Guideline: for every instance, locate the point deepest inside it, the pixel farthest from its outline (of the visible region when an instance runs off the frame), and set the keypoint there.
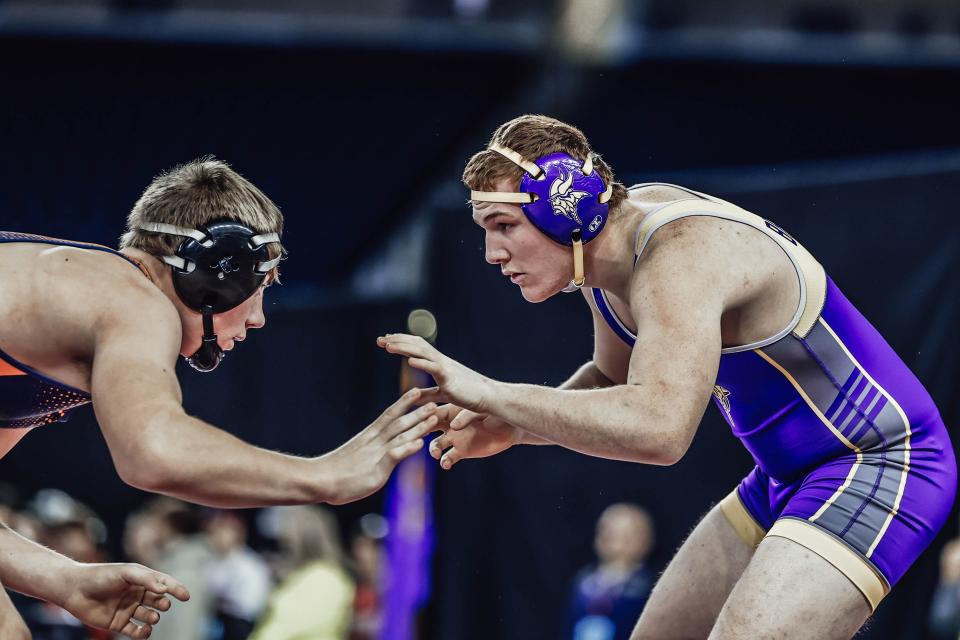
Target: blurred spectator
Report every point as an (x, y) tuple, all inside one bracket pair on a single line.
[(239, 579), (314, 599), (166, 536), (67, 526), (367, 552), (609, 596), (945, 610)]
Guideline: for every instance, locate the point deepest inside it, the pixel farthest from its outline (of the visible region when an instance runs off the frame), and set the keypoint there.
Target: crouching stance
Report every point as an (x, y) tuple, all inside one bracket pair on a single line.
[(694, 298)]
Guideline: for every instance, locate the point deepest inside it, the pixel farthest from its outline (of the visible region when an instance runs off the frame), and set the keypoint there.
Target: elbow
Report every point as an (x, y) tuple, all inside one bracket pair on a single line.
[(669, 456), (146, 465), (669, 451)]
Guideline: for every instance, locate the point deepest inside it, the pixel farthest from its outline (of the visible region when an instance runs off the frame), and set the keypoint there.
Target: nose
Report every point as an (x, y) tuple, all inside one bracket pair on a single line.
[(256, 319), (495, 254)]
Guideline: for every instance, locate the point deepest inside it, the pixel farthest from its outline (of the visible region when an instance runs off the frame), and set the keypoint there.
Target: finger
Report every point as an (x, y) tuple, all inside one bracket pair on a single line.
[(408, 421), (419, 430), (156, 601), (423, 364), (439, 444), (155, 581), (137, 630), (419, 347), (434, 394), (143, 614), (173, 587), (416, 432), (450, 458), (465, 418), (398, 454), (447, 412), (403, 405)]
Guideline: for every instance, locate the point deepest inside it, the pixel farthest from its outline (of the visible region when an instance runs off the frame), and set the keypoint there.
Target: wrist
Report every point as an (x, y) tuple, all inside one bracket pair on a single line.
[(326, 479), (66, 580), (495, 392)]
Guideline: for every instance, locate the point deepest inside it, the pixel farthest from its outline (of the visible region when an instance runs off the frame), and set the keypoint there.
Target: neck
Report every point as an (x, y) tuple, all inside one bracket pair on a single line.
[(157, 271), (608, 260)]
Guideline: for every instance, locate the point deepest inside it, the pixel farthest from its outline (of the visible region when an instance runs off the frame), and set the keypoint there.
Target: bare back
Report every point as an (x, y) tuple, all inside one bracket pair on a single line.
[(52, 298)]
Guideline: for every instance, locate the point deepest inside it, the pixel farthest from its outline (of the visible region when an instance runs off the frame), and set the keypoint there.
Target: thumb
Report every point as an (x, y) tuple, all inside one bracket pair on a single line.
[(464, 419)]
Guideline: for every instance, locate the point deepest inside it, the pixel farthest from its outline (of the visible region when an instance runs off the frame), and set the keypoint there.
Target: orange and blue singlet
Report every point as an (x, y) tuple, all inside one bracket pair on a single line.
[(28, 398), (853, 460)]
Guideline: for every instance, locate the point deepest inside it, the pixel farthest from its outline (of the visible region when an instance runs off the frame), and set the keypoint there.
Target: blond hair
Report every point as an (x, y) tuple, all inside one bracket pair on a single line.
[(193, 195), (534, 136)]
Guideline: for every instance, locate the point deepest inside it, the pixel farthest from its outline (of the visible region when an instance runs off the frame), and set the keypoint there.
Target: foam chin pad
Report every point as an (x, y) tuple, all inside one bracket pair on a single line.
[(207, 357)]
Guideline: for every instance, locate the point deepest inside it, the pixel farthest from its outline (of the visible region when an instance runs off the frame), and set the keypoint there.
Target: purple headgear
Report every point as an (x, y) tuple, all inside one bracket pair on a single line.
[(562, 196)]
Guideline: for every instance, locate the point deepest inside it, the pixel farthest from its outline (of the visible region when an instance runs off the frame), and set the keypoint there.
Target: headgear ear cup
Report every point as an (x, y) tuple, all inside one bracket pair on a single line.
[(562, 196), (214, 270)]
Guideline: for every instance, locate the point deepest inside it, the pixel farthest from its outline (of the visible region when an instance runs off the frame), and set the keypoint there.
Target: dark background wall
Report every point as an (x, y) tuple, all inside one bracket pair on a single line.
[(351, 142)]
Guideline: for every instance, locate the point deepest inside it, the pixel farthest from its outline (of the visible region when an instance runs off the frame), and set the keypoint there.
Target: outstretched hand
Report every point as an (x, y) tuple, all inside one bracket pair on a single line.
[(362, 465), (455, 382), (126, 598), (470, 435)]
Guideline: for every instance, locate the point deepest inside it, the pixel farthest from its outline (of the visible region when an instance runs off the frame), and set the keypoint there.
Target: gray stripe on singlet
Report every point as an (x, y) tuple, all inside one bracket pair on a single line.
[(875, 512), (843, 403), (869, 512), (790, 354), (854, 414)]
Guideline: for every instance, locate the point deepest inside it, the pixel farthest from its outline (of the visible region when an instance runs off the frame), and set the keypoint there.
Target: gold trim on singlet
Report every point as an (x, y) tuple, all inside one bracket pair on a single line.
[(746, 528), (811, 275), (857, 569)]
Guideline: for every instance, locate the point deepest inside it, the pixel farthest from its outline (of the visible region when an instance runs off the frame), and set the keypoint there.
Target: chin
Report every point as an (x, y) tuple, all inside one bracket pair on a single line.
[(537, 294)]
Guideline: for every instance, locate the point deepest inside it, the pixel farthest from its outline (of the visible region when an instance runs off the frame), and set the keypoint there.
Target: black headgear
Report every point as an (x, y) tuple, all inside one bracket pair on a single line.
[(215, 269)]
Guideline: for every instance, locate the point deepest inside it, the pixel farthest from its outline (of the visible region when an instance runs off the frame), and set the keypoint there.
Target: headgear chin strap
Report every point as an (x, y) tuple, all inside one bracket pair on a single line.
[(209, 355), (214, 270), (562, 196)]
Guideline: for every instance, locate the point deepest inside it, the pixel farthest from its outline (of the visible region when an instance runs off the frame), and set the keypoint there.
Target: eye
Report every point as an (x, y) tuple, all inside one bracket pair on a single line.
[(503, 226)]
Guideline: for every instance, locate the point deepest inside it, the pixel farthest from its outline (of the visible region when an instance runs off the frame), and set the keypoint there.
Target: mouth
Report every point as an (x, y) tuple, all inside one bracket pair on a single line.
[(232, 343), (516, 278)]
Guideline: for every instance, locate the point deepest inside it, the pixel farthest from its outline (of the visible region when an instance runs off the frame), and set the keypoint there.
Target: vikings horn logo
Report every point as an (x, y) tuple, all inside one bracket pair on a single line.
[(563, 200), (723, 397)]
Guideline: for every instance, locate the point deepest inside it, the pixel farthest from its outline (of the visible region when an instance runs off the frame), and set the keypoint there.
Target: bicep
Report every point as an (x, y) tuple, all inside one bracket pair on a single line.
[(678, 307), (133, 379), (611, 355)]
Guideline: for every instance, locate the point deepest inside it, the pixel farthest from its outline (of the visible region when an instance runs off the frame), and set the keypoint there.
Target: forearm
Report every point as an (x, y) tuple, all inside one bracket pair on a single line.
[(622, 422), (186, 458), (587, 376), (33, 569)]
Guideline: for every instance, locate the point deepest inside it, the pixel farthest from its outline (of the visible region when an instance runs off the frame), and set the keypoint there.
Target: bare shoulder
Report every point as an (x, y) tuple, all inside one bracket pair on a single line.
[(651, 195), (98, 288), (686, 261), (692, 244)]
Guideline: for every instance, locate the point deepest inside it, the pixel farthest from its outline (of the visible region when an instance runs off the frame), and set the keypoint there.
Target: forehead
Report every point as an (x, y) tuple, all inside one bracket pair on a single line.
[(485, 211)]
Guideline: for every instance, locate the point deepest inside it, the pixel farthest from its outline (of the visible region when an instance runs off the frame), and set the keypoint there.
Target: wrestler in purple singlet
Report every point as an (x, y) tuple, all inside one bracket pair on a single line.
[(844, 436)]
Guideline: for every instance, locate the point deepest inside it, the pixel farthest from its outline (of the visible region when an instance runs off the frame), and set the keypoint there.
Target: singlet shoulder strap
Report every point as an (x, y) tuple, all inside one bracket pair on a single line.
[(811, 275), (15, 236)]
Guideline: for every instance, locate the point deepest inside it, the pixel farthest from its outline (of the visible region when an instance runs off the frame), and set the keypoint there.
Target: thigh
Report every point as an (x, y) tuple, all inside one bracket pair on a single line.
[(790, 592), (703, 572)]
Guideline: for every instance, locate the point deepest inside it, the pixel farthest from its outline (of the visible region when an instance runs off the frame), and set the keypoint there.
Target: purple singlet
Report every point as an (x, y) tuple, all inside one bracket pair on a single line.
[(853, 459)]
